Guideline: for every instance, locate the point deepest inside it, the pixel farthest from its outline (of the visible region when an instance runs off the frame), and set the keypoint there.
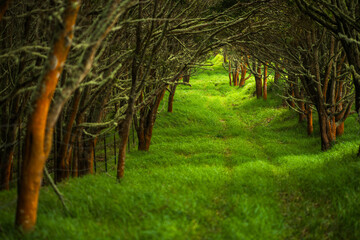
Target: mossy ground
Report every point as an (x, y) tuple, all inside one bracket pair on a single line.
[(224, 165)]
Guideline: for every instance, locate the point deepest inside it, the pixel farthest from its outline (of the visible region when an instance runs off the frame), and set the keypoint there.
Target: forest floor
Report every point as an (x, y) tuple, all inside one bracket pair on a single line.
[(224, 165)]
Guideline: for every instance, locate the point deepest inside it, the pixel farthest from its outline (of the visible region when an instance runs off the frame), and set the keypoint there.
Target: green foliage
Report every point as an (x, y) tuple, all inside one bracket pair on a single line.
[(224, 165)]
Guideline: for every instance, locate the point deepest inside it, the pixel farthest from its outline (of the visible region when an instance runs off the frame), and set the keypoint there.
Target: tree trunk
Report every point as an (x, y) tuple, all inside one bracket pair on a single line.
[(243, 75), (87, 156), (258, 81), (236, 74), (340, 129), (75, 161), (38, 138), (7, 154), (230, 72), (124, 131), (300, 102), (147, 121), (309, 116), (332, 125), (4, 4), (325, 129), (5, 167), (66, 148), (291, 91), (171, 97), (339, 94), (186, 78), (124, 127), (265, 81), (277, 75), (302, 116)]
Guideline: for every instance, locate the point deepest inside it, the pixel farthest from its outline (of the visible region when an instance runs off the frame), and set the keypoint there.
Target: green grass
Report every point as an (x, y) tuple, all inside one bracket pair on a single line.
[(224, 165)]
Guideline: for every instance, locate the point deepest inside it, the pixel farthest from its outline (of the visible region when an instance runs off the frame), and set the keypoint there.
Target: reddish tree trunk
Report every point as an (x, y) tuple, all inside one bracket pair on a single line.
[(234, 77), (146, 124), (265, 81), (171, 97), (340, 129), (243, 75), (38, 138), (5, 168), (236, 74)]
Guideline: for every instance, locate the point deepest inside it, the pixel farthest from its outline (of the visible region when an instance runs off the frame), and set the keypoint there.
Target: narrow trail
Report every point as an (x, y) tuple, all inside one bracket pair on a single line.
[(233, 199)]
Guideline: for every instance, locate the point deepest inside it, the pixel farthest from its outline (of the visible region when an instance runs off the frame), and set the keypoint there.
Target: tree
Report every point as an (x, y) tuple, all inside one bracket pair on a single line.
[(341, 18), (39, 136)]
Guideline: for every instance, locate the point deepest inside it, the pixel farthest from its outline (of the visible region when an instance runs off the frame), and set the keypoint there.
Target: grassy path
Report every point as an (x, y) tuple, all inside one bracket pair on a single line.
[(224, 165)]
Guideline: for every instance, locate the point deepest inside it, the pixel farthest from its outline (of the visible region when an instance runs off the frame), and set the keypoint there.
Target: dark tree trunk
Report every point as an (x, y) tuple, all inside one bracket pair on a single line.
[(171, 97), (65, 153), (258, 81), (326, 128), (277, 75), (7, 153), (4, 4), (309, 116), (300, 102), (75, 161), (147, 121)]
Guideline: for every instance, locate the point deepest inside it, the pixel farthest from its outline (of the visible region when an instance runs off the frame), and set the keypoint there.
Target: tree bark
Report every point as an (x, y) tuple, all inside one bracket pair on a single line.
[(38, 138), (326, 128), (258, 81), (124, 127), (171, 97), (147, 121), (230, 73), (75, 161), (309, 116), (66, 148), (277, 75), (243, 75), (7, 155), (4, 4), (265, 81), (5, 167)]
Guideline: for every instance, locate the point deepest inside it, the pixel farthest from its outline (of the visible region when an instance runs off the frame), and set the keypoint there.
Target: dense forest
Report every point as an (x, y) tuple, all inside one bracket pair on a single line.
[(228, 85)]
